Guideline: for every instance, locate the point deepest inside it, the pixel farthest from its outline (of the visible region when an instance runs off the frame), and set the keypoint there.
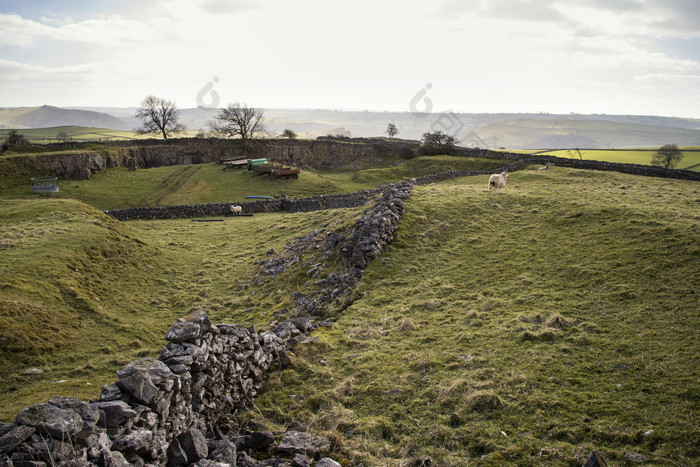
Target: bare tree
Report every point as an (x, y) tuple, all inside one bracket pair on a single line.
[(289, 134), (574, 153), (159, 116), (667, 156), (239, 120), (391, 130)]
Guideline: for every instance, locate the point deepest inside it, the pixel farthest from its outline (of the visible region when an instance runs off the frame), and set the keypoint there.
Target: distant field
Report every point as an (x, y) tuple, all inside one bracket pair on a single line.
[(691, 156), (80, 133), (558, 133)]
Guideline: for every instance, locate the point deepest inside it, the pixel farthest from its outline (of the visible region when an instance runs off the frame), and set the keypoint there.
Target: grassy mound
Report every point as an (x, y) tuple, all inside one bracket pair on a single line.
[(72, 278), (559, 317), (82, 294), (424, 165)]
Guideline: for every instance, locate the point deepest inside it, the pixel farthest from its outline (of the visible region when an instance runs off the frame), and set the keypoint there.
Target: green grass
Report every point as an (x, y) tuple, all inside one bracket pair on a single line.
[(691, 156), (82, 294), (182, 184), (563, 313), (207, 183), (80, 133), (557, 132), (424, 165)]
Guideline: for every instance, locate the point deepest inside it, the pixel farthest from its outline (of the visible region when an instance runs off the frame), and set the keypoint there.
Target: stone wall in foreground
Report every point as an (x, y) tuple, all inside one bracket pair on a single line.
[(170, 410), (159, 409)]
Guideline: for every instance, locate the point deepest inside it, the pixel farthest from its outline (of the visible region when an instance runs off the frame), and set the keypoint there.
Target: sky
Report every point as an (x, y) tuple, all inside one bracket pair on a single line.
[(552, 56)]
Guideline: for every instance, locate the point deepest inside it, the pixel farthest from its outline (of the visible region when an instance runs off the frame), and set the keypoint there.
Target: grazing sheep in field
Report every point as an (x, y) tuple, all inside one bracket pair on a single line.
[(546, 167), (498, 181), (236, 210)]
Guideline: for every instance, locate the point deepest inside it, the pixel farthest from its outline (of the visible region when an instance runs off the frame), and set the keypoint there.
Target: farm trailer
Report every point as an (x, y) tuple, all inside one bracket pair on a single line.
[(284, 172)]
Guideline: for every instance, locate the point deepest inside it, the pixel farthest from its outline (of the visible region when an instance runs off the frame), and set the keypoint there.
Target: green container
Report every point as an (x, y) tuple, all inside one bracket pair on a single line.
[(253, 162)]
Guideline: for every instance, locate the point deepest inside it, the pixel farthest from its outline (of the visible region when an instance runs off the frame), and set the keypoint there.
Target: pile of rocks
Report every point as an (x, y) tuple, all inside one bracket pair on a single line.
[(166, 411)]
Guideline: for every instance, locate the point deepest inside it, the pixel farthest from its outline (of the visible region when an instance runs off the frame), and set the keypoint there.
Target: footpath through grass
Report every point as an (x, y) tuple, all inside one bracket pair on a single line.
[(527, 328)]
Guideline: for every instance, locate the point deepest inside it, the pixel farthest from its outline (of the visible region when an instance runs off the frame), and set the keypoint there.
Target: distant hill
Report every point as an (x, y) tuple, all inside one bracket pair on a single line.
[(594, 134), (509, 130), (50, 116)]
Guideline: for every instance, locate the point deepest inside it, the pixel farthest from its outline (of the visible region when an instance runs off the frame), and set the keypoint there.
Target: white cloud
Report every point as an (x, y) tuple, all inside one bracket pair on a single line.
[(227, 6), (13, 71), (111, 30), (522, 55)]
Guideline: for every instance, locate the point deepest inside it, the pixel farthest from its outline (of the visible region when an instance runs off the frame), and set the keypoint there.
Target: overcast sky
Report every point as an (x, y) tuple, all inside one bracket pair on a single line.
[(597, 56)]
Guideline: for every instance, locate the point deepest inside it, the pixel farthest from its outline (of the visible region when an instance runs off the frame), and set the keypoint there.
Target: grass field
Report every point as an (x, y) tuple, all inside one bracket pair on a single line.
[(556, 132), (559, 317), (80, 133), (207, 183), (82, 294), (691, 156)]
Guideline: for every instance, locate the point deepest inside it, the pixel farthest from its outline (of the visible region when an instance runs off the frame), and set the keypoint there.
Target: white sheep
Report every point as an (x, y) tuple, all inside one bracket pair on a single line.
[(236, 210), (498, 181), (546, 167)]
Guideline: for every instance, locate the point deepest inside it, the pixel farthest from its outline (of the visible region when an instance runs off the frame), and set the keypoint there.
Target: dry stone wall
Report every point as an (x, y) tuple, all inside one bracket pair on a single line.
[(634, 169), (313, 203), (172, 410), (79, 164), (159, 409)]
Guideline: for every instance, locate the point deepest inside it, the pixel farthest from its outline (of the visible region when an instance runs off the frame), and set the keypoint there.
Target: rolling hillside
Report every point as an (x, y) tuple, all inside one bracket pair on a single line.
[(557, 133), (513, 131), (50, 116), (527, 328)]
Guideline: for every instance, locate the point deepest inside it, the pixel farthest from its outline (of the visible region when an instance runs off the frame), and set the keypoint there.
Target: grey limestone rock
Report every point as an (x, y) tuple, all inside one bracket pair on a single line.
[(15, 437), (295, 442), (49, 419), (113, 413)]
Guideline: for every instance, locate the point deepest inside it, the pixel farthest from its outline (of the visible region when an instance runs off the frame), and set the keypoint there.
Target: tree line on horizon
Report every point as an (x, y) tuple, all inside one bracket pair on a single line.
[(236, 120)]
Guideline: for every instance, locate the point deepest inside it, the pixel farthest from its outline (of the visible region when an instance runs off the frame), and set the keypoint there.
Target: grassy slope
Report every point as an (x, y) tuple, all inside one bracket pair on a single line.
[(424, 166), (207, 183), (76, 133), (574, 323), (560, 315), (82, 294), (72, 278)]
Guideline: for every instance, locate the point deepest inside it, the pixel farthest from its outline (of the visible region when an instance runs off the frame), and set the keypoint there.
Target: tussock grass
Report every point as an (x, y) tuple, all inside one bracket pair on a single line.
[(82, 294), (556, 318)]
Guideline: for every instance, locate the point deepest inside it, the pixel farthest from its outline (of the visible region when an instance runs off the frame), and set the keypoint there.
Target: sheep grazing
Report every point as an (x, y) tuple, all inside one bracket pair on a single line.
[(546, 167), (498, 181), (236, 210)]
